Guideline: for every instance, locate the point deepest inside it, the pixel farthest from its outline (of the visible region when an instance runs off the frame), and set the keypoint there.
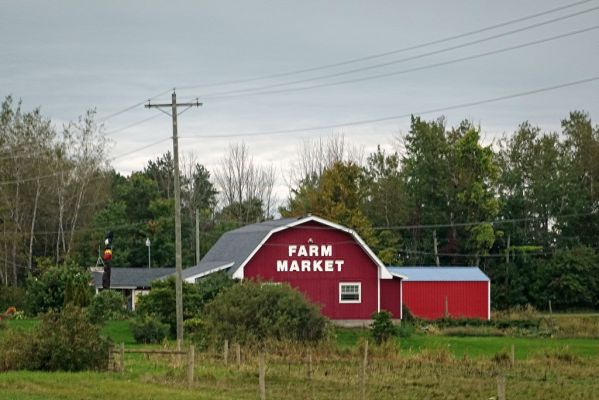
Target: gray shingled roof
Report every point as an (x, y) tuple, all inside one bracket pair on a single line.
[(235, 246), (440, 274), (133, 277)]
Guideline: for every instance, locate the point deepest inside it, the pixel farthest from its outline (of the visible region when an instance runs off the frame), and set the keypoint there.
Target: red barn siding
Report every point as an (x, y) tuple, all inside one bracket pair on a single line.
[(321, 287), (391, 296), (464, 299)]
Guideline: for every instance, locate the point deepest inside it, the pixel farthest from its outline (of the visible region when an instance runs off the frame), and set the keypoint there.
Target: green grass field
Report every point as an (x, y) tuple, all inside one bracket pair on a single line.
[(422, 366)]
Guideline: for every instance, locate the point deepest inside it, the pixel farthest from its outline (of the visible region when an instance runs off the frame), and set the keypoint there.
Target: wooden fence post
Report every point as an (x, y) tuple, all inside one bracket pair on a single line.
[(122, 354), (364, 365), (550, 309), (261, 378), (309, 366), (111, 352), (190, 365), (446, 308), (513, 355), (226, 352), (501, 388), (238, 351)]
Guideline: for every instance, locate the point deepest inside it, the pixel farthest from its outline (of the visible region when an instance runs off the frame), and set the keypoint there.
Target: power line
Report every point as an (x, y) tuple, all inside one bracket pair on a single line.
[(397, 51), (465, 255), (34, 178), (465, 224), (139, 149), (124, 128), (340, 125), (29, 154), (260, 90), (445, 225), (131, 107), (400, 116), (424, 67)]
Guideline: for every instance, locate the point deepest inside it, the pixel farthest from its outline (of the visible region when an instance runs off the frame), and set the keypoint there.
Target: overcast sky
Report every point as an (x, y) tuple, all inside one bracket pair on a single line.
[(69, 56)]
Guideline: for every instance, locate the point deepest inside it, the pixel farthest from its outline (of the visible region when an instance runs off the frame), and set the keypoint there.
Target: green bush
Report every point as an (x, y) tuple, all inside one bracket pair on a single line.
[(64, 340), (11, 296), (406, 314), (195, 331), (58, 286), (160, 302), (253, 311), (455, 322), (148, 329), (406, 329), (382, 328), (16, 349), (106, 305)]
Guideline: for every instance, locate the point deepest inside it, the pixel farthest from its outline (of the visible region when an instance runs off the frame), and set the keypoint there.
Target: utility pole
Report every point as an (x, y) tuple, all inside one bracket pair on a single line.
[(435, 246), (178, 263), (197, 236)]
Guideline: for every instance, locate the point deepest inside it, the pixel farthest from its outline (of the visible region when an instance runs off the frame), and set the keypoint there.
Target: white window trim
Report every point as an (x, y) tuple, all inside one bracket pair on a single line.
[(359, 284)]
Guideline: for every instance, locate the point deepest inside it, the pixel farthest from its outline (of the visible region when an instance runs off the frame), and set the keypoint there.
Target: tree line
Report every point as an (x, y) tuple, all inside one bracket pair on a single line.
[(523, 208)]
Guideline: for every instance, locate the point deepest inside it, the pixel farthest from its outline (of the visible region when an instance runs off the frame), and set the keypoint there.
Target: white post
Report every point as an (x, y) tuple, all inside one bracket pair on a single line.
[(149, 244)]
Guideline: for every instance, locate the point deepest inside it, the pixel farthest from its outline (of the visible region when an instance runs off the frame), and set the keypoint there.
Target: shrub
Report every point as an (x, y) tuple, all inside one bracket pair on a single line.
[(563, 355), (69, 341), (106, 305), (160, 302), (382, 327), (16, 348), (11, 296), (255, 312), (65, 340), (195, 330), (148, 329), (406, 314), (501, 358), (58, 286), (472, 331), (405, 329)]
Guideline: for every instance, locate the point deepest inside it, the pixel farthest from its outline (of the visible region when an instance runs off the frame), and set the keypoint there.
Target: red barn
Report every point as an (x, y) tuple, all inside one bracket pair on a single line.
[(327, 262), (437, 292)]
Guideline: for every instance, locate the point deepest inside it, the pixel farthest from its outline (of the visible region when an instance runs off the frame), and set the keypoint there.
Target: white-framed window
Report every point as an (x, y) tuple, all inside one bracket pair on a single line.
[(350, 292)]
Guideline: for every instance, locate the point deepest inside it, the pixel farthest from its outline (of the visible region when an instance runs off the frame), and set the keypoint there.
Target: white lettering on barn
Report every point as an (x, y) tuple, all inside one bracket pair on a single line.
[(313, 264)]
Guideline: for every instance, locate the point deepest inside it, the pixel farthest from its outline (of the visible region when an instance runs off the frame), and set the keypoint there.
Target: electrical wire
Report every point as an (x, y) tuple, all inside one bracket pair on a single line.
[(353, 123), (124, 128), (391, 52), (57, 173), (446, 225), (414, 69), (400, 116), (260, 90), (131, 107)]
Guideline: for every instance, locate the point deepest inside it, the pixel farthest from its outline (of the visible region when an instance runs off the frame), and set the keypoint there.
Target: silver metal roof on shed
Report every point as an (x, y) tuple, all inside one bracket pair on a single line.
[(440, 274)]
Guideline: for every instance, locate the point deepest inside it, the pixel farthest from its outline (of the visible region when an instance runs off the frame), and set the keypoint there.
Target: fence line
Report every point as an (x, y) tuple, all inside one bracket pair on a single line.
[(116, 358)]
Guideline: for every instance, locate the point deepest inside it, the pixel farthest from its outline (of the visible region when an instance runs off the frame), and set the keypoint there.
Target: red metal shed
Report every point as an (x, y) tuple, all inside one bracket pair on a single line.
[(437, 292)]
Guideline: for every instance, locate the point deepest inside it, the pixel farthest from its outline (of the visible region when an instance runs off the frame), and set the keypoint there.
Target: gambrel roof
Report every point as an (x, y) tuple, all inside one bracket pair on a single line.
[(235, 248)]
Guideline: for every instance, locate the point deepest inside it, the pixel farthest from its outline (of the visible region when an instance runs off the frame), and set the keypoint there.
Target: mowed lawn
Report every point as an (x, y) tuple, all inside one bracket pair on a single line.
[(432, 367), (479, 347)]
